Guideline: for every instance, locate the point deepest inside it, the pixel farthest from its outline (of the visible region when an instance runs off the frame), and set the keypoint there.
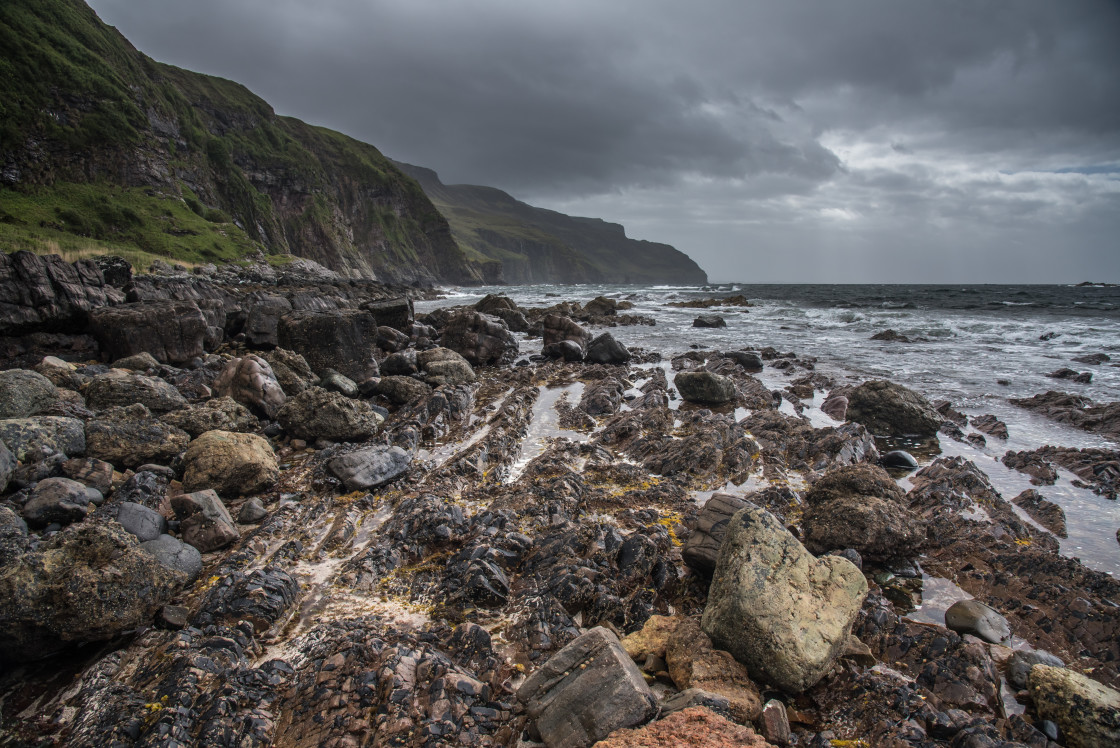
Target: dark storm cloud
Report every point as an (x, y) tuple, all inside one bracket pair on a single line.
[(813, 131)]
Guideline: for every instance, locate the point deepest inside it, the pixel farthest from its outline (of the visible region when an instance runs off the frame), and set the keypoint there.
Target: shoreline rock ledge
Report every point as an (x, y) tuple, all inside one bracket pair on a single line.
[(781, 612)]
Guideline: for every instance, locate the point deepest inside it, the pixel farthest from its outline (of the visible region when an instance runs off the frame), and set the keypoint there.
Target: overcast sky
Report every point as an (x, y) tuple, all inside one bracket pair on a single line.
[(790, 140)]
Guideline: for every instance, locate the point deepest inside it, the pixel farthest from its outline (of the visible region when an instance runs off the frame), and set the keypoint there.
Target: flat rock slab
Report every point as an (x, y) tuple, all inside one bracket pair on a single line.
[(370, 468), (586, 691)]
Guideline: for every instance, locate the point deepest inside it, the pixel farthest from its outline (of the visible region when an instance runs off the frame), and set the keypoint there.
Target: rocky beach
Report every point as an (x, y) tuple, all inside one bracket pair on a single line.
[(257, 506)]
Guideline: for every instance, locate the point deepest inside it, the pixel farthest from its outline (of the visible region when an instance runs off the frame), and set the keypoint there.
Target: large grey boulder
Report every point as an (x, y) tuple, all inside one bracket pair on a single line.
[(250, 381), (702, 547), (129, 437), (889, 409), (370, 468), (291, 370), (55, 433), (586, 691), (263, 321), (604, 349), (781, 612), (563, 337), (339, 339), (1086, 712), (400, 390), (444, 366), (172, 331), (90, 582), (118, 389), (24, 393), (205, 522), (58, 500), (704, 387), (318, 414), (175, 555), (230, 463), (479, 338)]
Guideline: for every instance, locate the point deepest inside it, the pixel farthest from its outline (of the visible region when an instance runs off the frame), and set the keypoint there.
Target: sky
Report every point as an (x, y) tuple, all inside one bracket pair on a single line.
[(781, 141)]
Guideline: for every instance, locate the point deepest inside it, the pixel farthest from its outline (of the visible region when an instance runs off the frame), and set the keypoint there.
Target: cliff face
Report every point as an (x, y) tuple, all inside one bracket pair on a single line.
[(535, 245), (99, 141)]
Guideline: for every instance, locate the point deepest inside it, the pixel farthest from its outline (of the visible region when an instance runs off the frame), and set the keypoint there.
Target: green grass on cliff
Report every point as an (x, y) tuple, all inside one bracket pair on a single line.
[(99, 216)]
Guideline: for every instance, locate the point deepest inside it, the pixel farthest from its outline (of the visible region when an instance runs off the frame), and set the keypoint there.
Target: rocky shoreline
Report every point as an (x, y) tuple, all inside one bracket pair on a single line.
[(259, 507)]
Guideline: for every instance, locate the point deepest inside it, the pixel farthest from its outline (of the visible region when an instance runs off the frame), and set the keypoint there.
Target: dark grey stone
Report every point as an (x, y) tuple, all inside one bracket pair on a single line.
[(146, 524), (702, 547), (370, 468), (175, 554)]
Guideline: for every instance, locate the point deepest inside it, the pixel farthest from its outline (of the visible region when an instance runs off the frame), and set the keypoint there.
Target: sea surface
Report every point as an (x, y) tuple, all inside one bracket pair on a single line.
[(978, 346)]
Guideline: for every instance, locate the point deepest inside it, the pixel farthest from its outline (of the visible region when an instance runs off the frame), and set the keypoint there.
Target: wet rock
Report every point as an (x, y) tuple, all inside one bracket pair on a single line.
[(748, 360), (56, 434), (441, 366), (1099, 468), (251, 381), (1046, 513), (62, 374), (370, 468), (173, 617), (694, 663), (217, 414), (836, 407), (1021, 662), (58, 500), (401, 364), (564, 338), (567, 350), (252, 512), (702, 547), (899, 459), (400, 390), (990, 425), (175, 555), (693, 697), (146, 524), (262, 597), (976, 618), (695, 726), (1042, 473), (1093, 359), (861, 507), (174, 332), (291, 370), (332, 381), (204, 520), (396, 313), (886, 408), (586, 691), (891, 336), (778, 610), (90, 582), (130, 436), (262, 323), (480, 339), (604, 397), (709, 320), (341, 339), (1086, 712), (24, 393), (117, 389), (604, 349), (229, 463), (1077, 411), (1084, 377), (318, 414), (704, 387)]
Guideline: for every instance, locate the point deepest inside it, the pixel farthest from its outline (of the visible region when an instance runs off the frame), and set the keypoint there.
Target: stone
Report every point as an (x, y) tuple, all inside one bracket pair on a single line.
[(176, 555), (371, 467), (58, 500), (586, 691), (604, 349), (216, 414), (318, 414), (691, 697), (568, 350), (749, 360), (402, 363), (774, 722), (24, 393), (781, 612), (173, 332), (252, 512), (137, 362), (701, 549), (889, 409), (205, 522), (836, 407), (479, 338), (90, 582), (130, 436), (401, 390), (341, 339), (899, 459), (145, 523), (62, 374), (652, 639), (709, 320), (396, 313), (1019, 666), (694, 726), (1086, 712), (262, 323), (694, 663), (704, 387), (291, 370), (44, 293), (976, 618), (229, 463), (556, 329), (990, 425), (7, 466), (1044, 512), (173, 617), (333, 381), (251, 381), (118, 389)]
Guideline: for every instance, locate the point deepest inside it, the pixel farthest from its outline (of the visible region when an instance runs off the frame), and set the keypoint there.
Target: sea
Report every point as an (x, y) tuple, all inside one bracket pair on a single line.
[(976, 346)]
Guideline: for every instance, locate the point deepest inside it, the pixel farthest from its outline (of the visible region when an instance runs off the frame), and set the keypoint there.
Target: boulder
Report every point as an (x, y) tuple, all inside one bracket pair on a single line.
[(1086, 712), (143, 522), (370, 468), (262, 322), (749, 360), (54, 433), (318, 414), (709, 320), (586, 691), (61, 373), (174, 332), (781, 612), (217, 414), (128, 437), (403, 363), (568, 350), (341, 339), (400, 390), (604, 349), (175, 555), (557, 329), (250, 381), (229, 463), (116, 389), (976, 618), (333, 381), (442, 366), (652, 639), (704, 387), (138, 362), (395, 313), (899, 459), (90, 582), (291, 370), (58, 500), (836, 407), (694, 663), (205, 522), (702, 547), (695, 726), (889, 409), (1019, 666), (481, 339), (252, 512), (24, 393)]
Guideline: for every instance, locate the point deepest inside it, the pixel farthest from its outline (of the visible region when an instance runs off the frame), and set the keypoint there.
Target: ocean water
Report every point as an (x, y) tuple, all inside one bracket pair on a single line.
[(978, 346)]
